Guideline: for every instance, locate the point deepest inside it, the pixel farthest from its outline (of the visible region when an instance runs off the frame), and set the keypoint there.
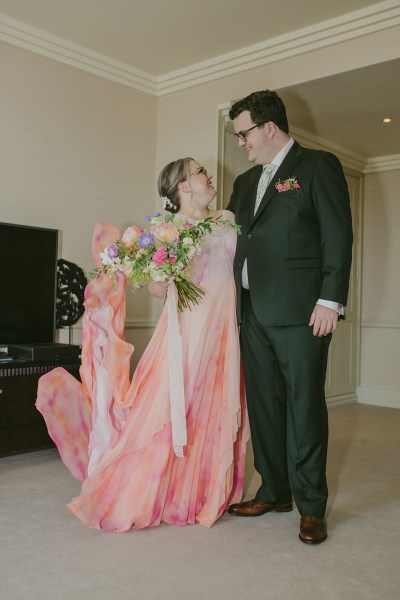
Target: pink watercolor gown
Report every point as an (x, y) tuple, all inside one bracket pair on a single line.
[(115, 435)]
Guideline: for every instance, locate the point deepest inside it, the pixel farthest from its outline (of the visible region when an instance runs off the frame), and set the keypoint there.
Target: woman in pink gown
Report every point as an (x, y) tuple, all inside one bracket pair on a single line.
[(114, 435)]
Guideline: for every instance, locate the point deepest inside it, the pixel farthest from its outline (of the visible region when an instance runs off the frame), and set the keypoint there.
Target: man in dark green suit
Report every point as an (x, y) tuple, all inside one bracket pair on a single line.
[(292, 270)]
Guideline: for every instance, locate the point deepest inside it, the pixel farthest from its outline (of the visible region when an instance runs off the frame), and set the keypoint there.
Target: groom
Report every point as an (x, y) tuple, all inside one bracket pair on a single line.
[(292, 269)]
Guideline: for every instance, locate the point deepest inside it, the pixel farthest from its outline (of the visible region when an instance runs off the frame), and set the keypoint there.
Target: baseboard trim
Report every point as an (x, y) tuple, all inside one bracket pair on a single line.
[(341, 400), (378, 397)]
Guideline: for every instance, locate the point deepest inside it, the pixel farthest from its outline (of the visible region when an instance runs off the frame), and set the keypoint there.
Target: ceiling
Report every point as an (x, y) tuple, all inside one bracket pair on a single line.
[(348, 109), (159, 37)]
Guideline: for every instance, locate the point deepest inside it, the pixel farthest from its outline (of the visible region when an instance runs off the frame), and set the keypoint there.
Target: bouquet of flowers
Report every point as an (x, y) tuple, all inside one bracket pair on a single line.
[(161, 253)]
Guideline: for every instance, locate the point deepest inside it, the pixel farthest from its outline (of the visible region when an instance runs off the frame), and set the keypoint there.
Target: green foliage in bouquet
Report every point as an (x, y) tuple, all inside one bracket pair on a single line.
[(162, 253)]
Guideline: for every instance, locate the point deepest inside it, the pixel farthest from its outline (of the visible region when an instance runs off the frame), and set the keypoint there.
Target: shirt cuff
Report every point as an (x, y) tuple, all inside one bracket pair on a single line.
[(333, 305), (245, 276)]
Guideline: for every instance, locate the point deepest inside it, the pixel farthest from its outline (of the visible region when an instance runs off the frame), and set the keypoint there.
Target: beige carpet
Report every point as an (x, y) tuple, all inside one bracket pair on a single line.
[(47, 554)]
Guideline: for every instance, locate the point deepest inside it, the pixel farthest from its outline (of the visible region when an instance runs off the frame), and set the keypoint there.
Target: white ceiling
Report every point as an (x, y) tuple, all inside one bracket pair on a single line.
[(159, 37)]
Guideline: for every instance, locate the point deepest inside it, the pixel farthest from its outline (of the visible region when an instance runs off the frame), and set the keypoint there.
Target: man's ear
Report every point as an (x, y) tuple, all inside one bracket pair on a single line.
[(270, 128)]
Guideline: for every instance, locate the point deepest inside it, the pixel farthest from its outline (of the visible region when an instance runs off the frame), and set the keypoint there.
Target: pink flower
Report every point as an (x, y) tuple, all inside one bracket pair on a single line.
[(172, 260), (165, 232), (131, 236), (187, 225), (159, 256), (290, 183)]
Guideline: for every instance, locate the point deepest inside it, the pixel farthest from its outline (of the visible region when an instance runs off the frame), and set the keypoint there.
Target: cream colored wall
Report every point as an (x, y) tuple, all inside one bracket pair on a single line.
[(380, 320), (75, 149)]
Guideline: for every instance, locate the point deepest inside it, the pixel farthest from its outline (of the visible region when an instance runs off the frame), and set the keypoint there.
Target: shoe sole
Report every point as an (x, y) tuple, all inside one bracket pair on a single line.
[(278, 510), (312, 542)]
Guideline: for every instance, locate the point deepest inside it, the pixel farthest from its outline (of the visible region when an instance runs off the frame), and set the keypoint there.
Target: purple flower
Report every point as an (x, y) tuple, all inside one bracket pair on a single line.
[(150, 217), (146, 239), (112, 251)]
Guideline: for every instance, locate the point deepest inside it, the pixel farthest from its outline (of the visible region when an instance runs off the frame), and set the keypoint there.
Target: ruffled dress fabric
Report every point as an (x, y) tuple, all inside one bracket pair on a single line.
[(115, 435)]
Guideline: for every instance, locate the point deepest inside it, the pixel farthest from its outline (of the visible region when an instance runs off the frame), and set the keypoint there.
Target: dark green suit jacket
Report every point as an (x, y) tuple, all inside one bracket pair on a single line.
[(298, 246)]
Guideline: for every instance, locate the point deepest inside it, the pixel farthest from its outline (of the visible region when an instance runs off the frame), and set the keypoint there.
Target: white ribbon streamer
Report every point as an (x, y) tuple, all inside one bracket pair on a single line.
[(175, 371)]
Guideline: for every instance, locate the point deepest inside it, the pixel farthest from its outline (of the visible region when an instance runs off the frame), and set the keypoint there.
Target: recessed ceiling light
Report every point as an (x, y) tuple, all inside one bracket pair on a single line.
[(387, 120)]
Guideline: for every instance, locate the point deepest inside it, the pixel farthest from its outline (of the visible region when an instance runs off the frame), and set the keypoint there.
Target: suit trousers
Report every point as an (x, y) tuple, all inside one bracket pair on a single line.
[(285, 370)]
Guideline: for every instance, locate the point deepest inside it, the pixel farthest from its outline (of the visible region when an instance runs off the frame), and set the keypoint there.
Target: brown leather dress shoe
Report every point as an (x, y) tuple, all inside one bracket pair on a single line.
[(255, 508), (312, 530)]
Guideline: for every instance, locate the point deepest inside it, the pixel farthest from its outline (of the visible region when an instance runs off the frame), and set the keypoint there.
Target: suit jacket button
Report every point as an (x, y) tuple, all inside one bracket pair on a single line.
[(240, 265), (249, 236)]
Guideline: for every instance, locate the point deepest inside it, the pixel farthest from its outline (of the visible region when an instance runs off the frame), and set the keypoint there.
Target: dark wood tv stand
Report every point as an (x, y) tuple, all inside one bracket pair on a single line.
[(22, 427)]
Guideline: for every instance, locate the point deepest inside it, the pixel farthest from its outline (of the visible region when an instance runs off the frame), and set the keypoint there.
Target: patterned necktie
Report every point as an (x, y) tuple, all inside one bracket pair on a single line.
[(262, 184)]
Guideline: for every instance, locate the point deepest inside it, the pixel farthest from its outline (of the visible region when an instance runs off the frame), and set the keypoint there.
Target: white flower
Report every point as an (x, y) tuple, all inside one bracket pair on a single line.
[(178, 220), (190, 252), (159, 276), (157, 220), (186, 242), (107, 260), (126, 265)]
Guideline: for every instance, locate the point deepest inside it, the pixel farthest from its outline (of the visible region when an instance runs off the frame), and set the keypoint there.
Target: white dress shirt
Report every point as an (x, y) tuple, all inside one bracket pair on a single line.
[(276, 162)]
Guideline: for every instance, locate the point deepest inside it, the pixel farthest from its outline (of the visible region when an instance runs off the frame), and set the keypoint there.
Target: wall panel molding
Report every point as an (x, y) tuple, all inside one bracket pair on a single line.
[(378, 325), (129, 324)]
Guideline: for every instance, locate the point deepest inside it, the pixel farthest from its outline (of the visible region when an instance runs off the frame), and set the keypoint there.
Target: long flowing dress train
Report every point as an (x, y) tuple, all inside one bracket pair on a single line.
[(115, 435)]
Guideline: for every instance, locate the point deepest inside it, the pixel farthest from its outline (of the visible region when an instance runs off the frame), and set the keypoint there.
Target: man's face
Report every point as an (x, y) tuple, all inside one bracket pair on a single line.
[(258, 143)]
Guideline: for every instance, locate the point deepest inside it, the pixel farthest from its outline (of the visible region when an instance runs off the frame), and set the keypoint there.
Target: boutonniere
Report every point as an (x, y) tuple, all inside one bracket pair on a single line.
[(290, 183)]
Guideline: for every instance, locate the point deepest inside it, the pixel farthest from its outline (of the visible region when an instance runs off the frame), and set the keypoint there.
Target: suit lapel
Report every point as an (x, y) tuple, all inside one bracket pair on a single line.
[(252, 192), (284, 171)]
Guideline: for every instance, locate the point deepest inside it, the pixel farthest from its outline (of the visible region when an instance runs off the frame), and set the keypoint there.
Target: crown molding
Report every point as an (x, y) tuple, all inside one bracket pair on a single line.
[(51, 46), (377, 164), (378, 17), (350, 160)]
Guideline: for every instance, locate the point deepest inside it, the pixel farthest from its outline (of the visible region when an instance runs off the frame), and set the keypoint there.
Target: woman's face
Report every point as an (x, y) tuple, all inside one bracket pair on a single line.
[(201, 183)]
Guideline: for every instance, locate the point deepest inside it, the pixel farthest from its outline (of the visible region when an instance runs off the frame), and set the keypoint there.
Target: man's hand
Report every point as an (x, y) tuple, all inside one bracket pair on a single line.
[(324, 320), (158, 289)]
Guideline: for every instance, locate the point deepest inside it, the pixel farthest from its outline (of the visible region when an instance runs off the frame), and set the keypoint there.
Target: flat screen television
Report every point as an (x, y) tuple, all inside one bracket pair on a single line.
[(28, 284)]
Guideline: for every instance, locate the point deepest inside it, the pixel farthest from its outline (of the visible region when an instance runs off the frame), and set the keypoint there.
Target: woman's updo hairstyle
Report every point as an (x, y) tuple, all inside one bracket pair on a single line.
[(169, 179)]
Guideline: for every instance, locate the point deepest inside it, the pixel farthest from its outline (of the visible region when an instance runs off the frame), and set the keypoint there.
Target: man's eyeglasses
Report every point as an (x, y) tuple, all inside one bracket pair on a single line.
[(200, 171), (242, 135)]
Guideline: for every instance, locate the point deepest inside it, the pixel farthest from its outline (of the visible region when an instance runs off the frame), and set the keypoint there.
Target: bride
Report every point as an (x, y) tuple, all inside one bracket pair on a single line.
[(116, 436)]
